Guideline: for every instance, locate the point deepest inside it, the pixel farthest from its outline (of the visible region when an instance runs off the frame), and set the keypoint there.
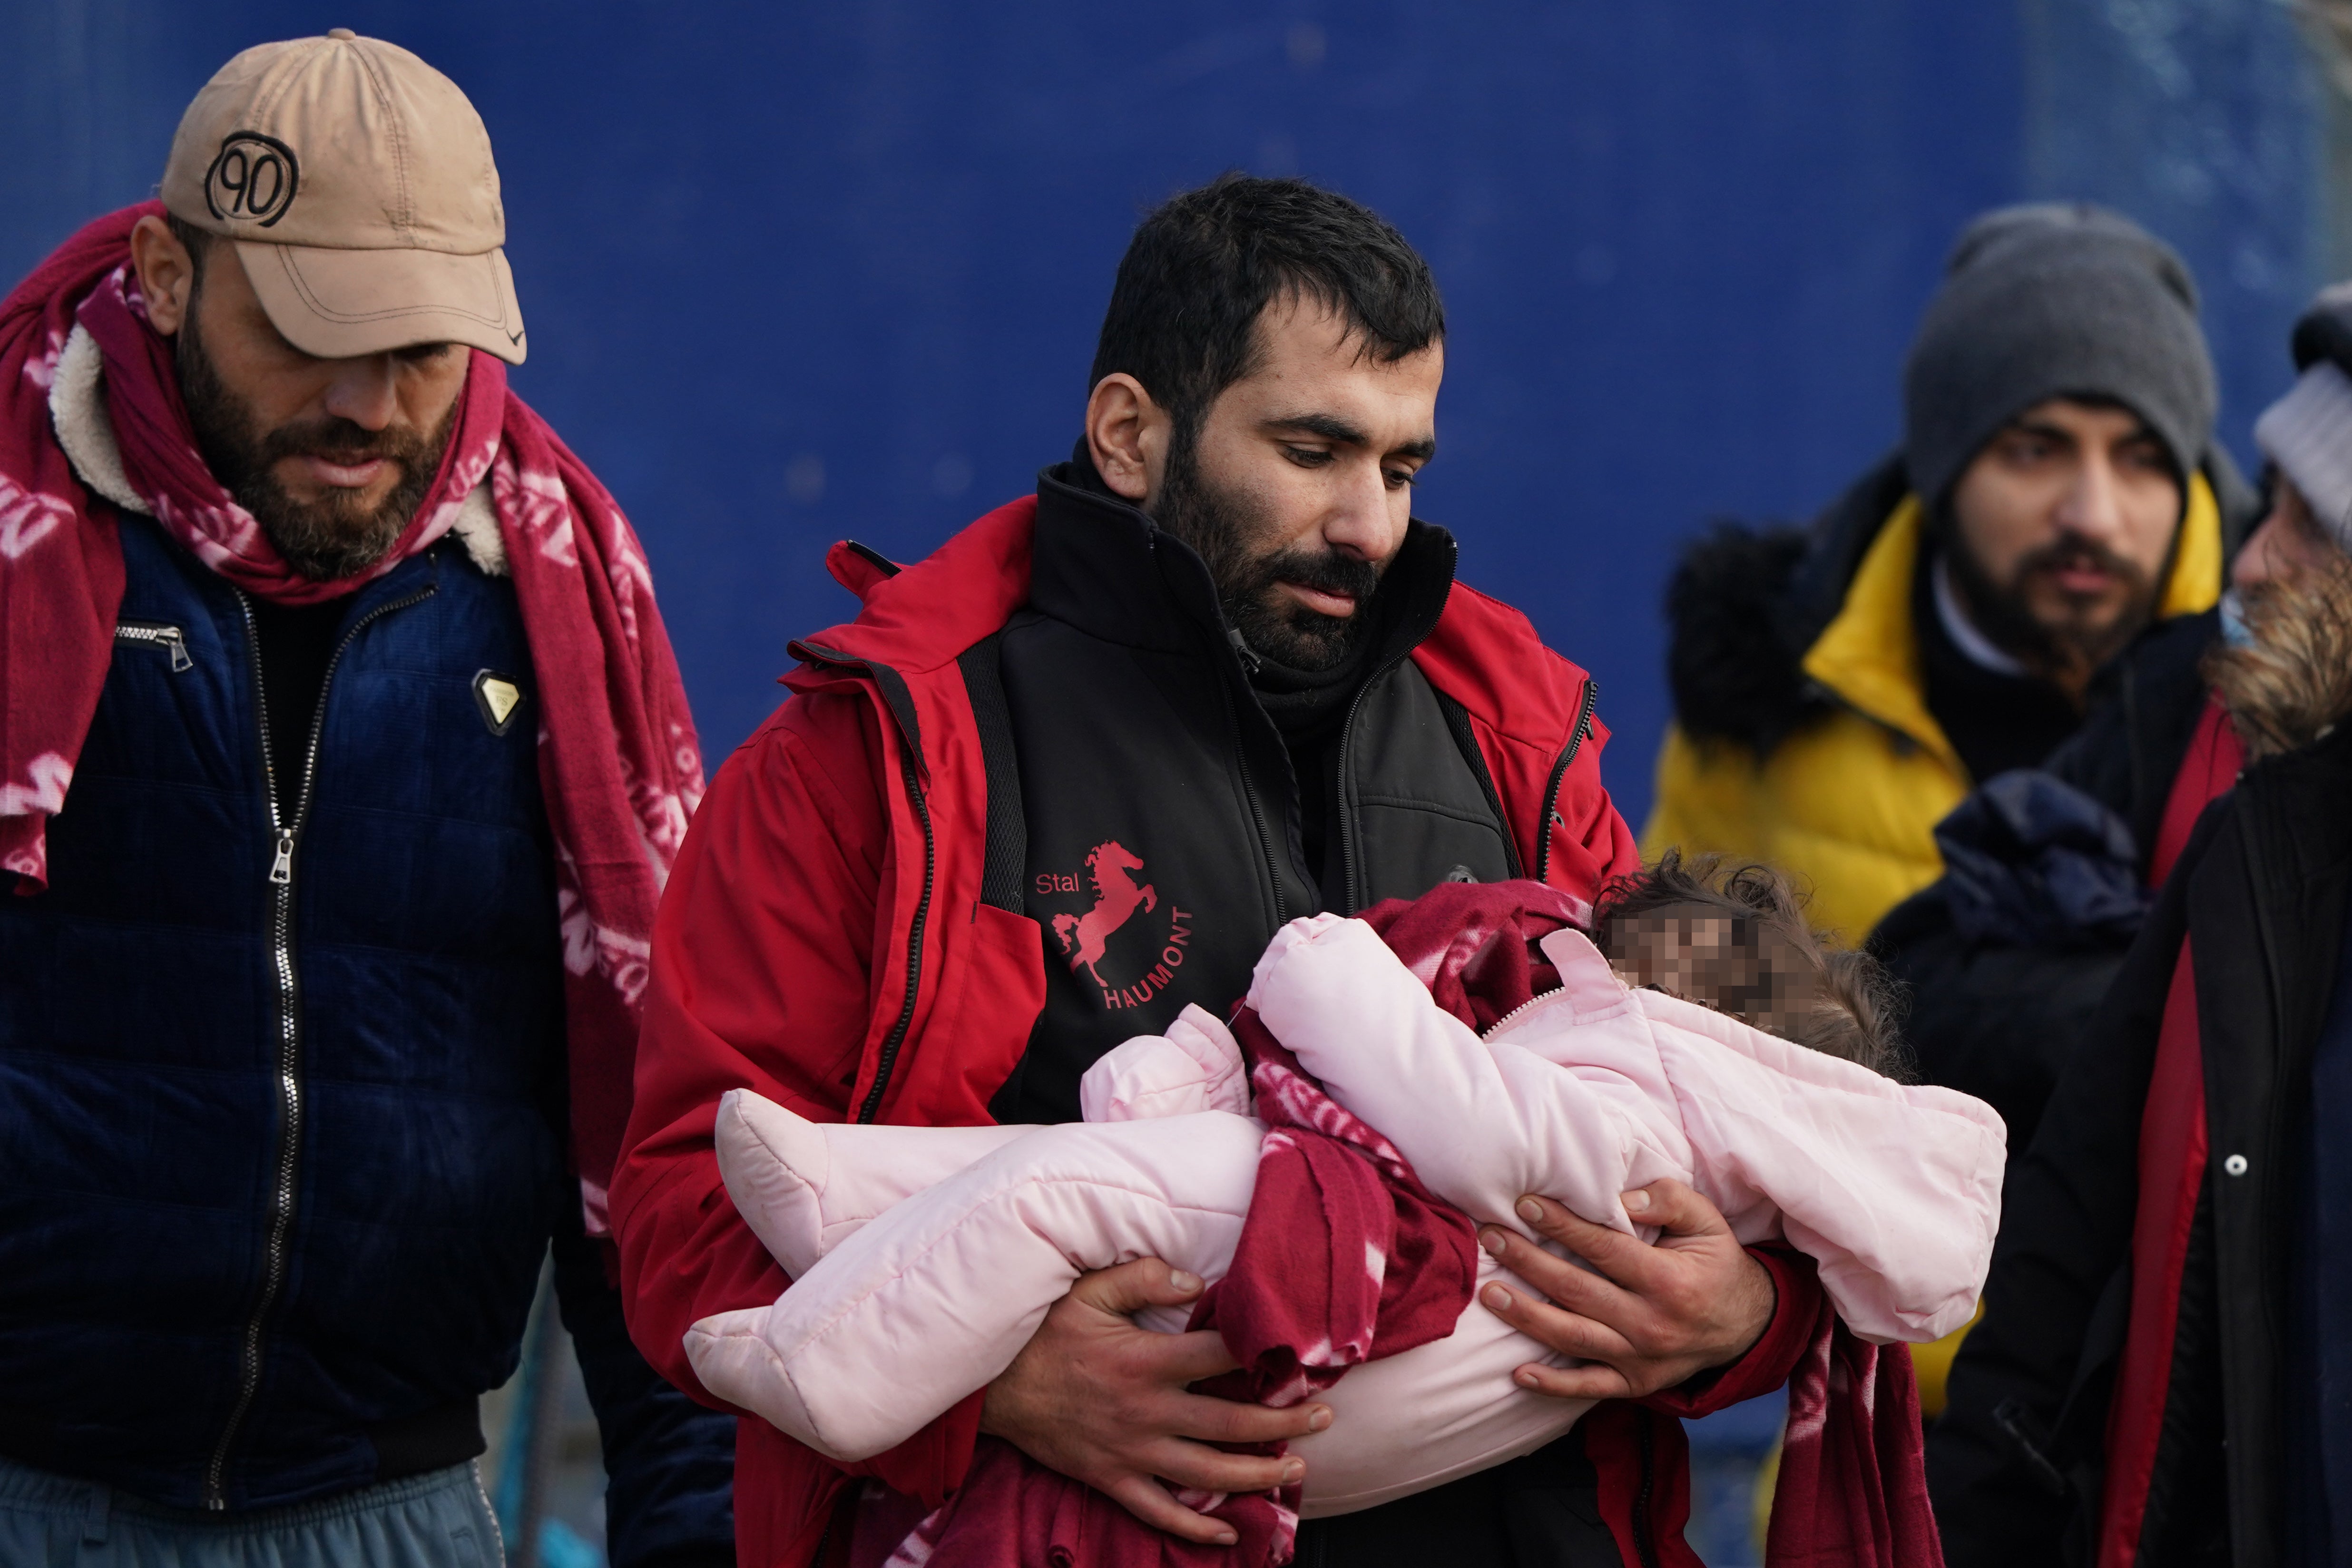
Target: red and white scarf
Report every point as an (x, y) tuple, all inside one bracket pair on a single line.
[(618, 761)]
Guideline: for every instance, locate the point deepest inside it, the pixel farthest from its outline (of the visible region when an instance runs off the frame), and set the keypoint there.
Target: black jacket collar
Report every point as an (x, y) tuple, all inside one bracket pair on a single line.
[(1098, 564)]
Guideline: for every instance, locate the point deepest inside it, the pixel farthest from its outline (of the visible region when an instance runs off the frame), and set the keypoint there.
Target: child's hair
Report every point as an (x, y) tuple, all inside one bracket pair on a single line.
[(1770, 970)]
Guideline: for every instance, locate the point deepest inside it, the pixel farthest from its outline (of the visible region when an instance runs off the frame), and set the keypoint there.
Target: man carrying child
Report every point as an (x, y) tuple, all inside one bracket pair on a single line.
[(1070, 774)]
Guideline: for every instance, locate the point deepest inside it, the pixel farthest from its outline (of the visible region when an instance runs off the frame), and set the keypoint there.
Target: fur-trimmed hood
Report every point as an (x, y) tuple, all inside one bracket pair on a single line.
[(2290, 684), (1744, 604)]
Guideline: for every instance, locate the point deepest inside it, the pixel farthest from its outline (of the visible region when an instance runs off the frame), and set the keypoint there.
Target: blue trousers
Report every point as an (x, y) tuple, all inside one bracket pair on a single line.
[(439, 1520)]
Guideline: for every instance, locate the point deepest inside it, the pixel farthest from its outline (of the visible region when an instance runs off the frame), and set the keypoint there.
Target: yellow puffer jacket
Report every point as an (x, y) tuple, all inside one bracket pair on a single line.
[(1848, 803)]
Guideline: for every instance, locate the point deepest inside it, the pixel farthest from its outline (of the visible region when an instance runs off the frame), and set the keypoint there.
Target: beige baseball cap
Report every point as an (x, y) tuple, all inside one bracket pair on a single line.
[(358, 185)]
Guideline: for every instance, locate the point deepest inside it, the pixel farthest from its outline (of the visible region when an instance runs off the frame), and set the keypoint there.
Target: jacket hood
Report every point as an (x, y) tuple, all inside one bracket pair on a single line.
[(2290, 684), (1769, 627)]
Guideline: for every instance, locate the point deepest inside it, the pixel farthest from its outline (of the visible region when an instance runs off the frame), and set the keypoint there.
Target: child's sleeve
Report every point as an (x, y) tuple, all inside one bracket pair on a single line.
[(934, 1297), (1481, 1125), (1893, 1189)]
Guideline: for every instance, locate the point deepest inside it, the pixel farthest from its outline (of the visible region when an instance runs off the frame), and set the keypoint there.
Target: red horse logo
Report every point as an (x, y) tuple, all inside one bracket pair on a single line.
[(1115, 897)]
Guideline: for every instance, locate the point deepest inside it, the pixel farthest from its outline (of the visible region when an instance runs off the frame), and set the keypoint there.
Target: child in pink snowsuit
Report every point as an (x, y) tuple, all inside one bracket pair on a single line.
[(924, 1259)]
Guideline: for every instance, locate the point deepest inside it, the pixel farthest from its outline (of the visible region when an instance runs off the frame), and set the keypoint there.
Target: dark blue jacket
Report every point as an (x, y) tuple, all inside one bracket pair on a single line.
[(282, 1114), (2007, 955)]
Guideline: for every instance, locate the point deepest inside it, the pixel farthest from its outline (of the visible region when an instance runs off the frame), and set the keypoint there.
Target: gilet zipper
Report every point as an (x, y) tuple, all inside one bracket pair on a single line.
[(289, 1023), (155, 633), (1249, 789), (1347, 818)]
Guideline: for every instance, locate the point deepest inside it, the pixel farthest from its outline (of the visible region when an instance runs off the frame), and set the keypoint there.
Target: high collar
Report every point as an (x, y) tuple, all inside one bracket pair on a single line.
[(1098, 564), (1101, 565), (1952, 620)]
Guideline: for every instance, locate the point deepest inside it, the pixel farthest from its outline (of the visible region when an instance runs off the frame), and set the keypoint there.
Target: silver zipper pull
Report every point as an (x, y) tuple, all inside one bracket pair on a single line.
[(171, 640), (1251, 662), (281, 870)]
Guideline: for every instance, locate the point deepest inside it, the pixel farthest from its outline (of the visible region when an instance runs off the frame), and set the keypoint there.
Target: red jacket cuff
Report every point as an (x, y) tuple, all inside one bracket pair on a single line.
[(933, 1462), (1796, 1313)]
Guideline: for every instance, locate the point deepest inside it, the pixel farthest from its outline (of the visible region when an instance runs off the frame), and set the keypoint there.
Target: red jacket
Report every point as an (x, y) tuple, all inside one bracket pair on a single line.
[(825, 941)]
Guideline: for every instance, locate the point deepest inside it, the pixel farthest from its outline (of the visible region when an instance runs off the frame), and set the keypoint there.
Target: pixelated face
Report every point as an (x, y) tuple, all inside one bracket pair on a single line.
[(1733, 963)]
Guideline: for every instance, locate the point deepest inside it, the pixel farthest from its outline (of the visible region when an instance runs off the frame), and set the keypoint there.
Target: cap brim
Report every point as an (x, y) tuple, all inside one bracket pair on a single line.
[(340, 304)]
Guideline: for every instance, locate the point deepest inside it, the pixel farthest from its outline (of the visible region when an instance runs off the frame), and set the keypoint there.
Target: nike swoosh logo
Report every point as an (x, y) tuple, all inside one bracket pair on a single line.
[(514, 337)]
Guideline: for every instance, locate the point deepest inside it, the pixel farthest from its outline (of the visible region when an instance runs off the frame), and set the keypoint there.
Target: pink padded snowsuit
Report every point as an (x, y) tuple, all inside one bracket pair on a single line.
[(925, 1257)]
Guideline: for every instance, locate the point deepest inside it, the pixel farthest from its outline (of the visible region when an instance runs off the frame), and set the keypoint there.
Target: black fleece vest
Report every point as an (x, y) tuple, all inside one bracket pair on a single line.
[(1160, 809)]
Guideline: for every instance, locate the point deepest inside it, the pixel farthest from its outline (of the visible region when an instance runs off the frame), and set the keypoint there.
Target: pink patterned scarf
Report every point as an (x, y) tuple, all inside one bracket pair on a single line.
[(618, 761)]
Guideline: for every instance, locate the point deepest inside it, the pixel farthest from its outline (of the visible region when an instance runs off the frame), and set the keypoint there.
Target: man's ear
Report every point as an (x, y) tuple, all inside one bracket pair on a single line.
[(1127, 437), (167, 273)]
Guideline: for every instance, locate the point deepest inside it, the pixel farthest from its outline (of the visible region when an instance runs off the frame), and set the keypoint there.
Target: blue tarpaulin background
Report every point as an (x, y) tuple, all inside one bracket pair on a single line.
[(796, 272)]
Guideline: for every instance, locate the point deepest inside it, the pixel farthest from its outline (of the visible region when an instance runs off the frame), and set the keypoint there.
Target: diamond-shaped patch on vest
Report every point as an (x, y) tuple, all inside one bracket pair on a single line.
[(499, 697)]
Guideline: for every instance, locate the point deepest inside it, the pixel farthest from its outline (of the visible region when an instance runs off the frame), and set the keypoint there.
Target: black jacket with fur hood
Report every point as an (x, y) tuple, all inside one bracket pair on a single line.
[(2017, 1464), (1744, 605), (1995, 1012)]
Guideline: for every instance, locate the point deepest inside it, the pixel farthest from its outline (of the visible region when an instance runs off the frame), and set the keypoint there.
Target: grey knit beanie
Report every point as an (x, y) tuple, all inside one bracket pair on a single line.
[(2309, 433), (2048, 301)]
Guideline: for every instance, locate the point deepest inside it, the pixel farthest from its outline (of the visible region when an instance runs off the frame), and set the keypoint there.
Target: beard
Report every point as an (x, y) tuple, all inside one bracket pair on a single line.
[(1225, 530), (2080, 641), (336, 536)]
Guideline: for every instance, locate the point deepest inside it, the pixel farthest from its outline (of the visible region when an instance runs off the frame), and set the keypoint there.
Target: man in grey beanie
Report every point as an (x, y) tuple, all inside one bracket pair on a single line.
[(1957, 613), (2046, 300), (2003, 977), (2006, 958), (1839, 690)]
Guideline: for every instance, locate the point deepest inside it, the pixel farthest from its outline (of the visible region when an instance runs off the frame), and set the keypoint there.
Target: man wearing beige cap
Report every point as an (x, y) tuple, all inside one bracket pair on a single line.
[(341, 758)]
